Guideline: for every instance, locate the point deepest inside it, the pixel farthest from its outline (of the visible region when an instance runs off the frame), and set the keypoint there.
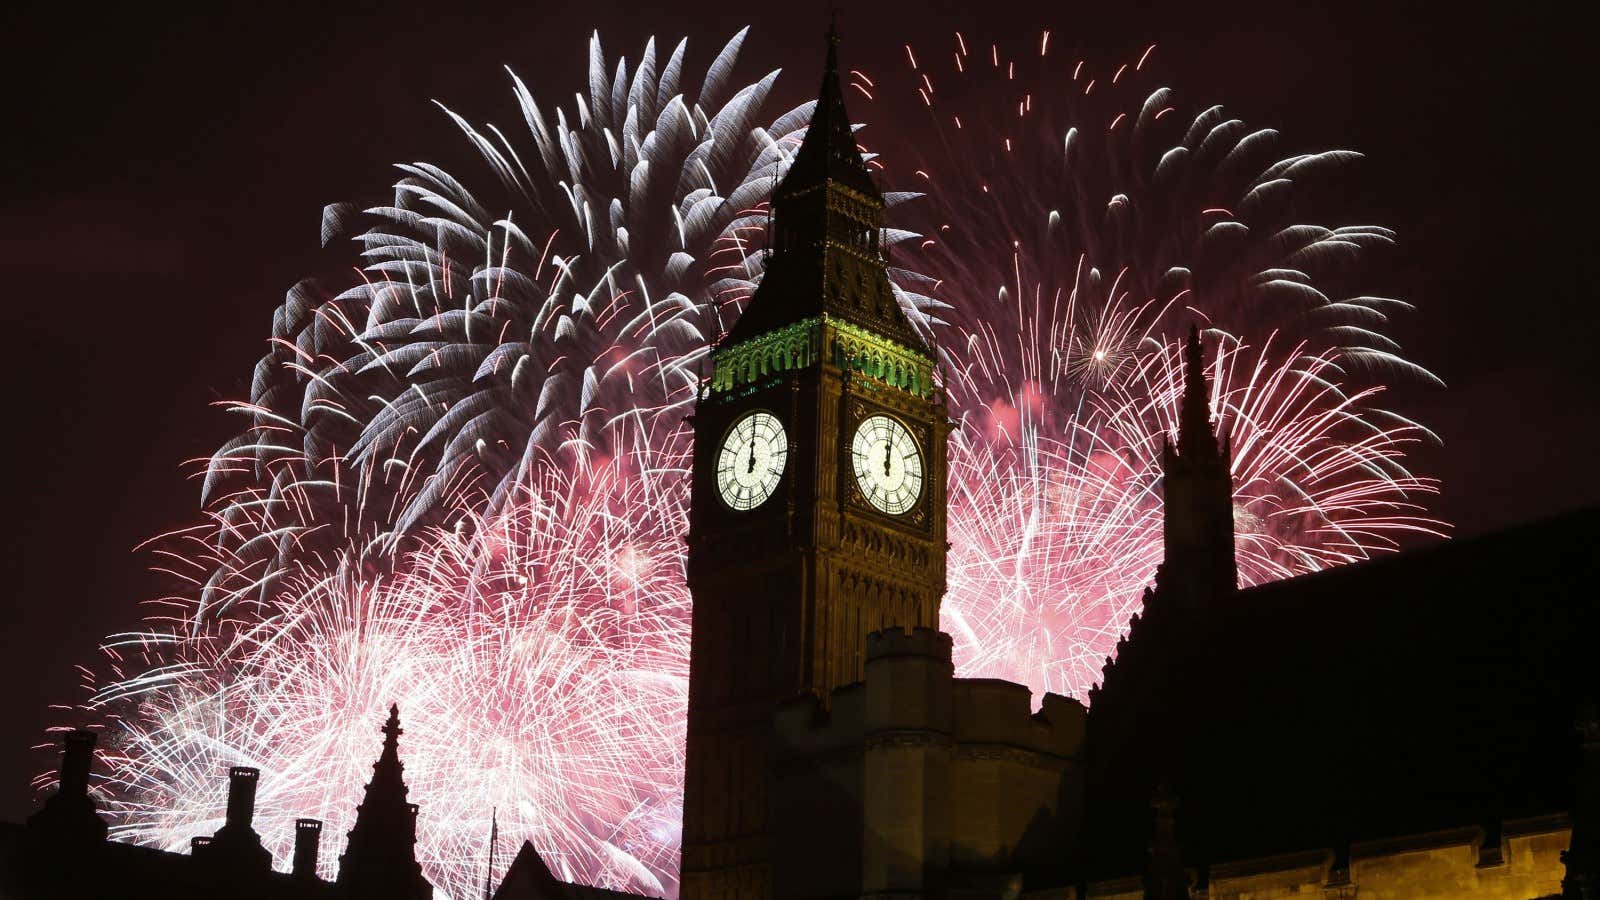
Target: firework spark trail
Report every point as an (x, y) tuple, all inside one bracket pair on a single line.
[(462, 483), (622, 243), (1117, 196), (542, 658), (1075, 232), (1055, 533), (515, 373)]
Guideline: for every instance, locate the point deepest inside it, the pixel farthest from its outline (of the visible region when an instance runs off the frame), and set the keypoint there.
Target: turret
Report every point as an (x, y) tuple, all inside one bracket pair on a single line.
[(907, 744), (380, 860), (1197, 497), (881, 785)]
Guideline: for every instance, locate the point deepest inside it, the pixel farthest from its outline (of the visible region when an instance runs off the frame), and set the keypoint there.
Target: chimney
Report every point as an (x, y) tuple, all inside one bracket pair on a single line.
[(236, 846), (70, 814), (242, 797), (307, 832), (78, 753)]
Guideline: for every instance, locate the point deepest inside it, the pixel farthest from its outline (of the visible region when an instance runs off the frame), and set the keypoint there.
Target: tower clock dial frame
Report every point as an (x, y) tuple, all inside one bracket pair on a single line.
[(872, 423), (751, 460), (888, 464), (796, 550)]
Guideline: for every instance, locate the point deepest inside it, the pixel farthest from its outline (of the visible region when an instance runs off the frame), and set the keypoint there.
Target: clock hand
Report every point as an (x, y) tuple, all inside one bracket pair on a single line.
[(886, 458), (752, 466)]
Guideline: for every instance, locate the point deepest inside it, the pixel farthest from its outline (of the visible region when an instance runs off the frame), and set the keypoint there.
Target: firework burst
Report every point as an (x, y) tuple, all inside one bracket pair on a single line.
[(540, 656), (484, 333), (1076, 222), (461, 485)]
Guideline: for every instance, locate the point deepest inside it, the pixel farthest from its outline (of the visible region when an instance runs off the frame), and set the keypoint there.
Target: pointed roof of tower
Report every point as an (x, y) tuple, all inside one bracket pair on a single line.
[(1196, 439), (388, 764), (380, 858), (826, 235), (387, 790), (829, 149)]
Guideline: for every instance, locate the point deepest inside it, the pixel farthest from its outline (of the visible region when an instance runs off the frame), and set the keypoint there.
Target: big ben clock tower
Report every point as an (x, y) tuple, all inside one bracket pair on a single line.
[(818, 507)]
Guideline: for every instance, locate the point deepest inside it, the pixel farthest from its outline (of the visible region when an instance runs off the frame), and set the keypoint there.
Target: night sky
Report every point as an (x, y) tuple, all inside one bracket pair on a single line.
[(165, 177)]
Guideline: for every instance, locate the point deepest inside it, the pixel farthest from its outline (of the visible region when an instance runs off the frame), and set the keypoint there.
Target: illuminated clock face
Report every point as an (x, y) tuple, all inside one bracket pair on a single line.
[(888, 464), (752, 460)]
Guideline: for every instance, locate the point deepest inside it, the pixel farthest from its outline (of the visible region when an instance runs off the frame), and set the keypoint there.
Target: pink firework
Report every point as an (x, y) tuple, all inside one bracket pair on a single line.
[(460, 486), (1056, 529), (540, 656), (1077, 221)]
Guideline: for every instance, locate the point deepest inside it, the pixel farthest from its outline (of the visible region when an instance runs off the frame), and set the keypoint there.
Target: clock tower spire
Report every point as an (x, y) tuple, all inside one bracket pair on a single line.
[(817, 513)]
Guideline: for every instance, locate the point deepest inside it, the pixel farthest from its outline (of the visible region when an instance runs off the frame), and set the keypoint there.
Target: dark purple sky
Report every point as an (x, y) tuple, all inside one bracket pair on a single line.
[(164, 178)]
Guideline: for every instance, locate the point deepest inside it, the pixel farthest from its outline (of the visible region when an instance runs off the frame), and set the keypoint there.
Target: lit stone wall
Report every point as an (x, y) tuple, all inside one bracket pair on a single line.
[(1448, 864), (914, 777)]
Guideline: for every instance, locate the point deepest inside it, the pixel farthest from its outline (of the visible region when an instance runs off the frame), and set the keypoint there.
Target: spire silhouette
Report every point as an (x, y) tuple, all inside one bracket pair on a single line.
[(1196, 439), (380, 859), (829, 149), (826, 234), (1199, 562)]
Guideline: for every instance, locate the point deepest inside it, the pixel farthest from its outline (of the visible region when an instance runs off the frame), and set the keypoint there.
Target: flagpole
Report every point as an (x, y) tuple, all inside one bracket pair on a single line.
[(494, 835)]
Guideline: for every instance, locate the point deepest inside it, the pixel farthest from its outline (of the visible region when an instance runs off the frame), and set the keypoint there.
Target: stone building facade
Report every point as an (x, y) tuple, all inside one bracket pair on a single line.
[(921, 775)]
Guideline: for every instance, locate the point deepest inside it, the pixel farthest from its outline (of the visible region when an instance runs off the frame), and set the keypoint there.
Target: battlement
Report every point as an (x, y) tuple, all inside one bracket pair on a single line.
[(960, 772), (908, 642), (910, 686)]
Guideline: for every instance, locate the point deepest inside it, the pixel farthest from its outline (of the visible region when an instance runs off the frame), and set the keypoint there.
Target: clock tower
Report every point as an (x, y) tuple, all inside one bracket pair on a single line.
[(818, 502)]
